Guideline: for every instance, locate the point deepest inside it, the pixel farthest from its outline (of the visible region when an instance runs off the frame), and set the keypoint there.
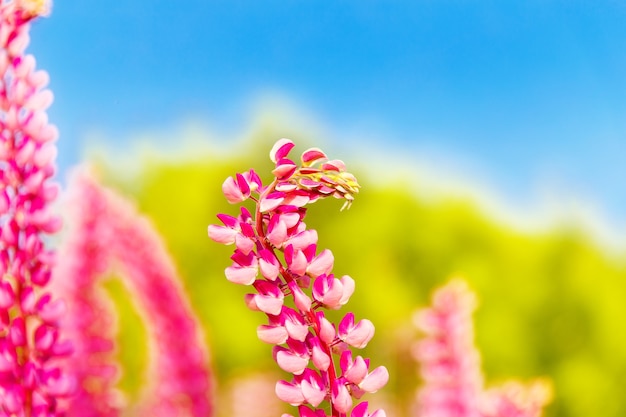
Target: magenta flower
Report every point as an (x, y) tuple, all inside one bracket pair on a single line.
[(278, 256), (450, 365), (31, 381), (107, 229)]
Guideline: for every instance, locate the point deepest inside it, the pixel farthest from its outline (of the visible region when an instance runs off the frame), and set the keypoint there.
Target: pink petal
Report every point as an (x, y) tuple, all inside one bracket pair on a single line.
[(268, 264), (322, 264), (297, 331), (232, 192), (320, 359), (356, 335), (290, 362), (346, 324), (312, 394), (290, 219), (298, 263), (297, 199), (229, 221), (221, 234), (348, 289), (269, 304), (284, 169), (312, 155), (342, 400), (289, 393), (303, 239), (271, 201), (357, 372), (334, 165), (327, 329), (360, 410), (360, 336), (281, 149), (327, 290), (241, 275), (277, 233), (243, 243), (375, 380), (274, 335), (301, 300)]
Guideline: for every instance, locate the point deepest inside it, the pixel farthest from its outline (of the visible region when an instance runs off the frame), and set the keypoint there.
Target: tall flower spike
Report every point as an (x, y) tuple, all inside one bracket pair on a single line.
[(107, 229), (277, 256), (450, 365), (32, 383)]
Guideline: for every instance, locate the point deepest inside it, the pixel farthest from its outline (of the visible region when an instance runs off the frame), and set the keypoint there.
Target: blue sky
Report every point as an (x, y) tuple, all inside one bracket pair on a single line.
[(522, 93)]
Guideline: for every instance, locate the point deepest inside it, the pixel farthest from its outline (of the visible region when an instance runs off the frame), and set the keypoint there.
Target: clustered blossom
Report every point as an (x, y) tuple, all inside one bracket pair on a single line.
[(450, 365), (277, 256), (31, 382), (108, 231)]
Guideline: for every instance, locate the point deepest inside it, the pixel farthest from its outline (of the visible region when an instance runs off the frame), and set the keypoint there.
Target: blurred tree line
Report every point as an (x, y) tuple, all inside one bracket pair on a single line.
[(551, 304)]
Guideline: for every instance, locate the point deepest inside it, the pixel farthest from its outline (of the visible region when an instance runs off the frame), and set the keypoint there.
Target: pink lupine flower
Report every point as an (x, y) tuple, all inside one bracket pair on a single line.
[(357, 335), (275, 242), (107, 229), (450, 364), (31, 381)]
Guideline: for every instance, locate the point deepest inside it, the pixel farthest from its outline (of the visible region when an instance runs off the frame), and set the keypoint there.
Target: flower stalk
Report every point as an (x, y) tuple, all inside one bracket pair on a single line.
[(277, 256)]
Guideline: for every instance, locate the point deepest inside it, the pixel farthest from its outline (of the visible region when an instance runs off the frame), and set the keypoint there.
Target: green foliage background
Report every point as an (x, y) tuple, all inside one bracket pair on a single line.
[(551, 304)]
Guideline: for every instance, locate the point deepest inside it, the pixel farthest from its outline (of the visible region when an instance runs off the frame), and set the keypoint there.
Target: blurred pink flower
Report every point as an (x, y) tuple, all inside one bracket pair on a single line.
[(107, 229), (450, 364)]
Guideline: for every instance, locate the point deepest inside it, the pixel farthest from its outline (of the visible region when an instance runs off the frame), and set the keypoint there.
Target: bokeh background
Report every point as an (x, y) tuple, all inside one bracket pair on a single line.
[(489, 138)]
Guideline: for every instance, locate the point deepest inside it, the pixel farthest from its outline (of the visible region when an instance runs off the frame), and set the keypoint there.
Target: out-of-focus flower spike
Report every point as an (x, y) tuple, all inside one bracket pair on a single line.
[(107, 227)]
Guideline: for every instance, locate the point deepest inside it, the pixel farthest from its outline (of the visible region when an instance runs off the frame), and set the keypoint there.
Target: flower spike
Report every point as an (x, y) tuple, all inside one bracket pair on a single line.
[(275, 242)]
